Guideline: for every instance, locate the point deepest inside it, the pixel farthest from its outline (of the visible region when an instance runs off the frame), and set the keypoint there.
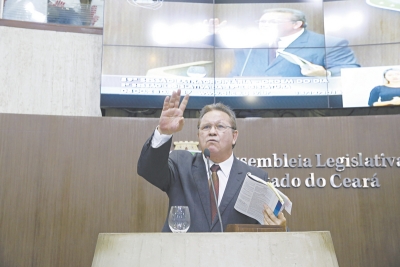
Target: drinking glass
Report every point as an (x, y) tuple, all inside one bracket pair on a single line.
[(179, 219)]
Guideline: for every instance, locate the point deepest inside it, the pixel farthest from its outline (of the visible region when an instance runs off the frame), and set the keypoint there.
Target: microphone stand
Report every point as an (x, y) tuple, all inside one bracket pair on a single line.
[(245, 63), (207, 155)]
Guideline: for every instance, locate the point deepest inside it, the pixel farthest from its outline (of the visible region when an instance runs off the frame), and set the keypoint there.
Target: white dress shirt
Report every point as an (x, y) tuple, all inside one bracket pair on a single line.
[(223, 174), (287, 40)]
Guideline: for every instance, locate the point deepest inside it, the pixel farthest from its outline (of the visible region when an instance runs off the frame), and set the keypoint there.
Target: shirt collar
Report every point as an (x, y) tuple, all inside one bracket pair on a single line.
[(287, 40), (225, 166)]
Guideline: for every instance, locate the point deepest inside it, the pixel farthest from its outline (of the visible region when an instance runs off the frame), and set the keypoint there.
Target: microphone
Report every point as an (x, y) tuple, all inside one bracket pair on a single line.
[(207, 155), (245, 62)]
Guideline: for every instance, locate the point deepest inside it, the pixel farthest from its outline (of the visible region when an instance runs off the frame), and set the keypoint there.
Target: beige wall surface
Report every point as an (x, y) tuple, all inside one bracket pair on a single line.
[(48, 72), (64, 180), (363, 24)]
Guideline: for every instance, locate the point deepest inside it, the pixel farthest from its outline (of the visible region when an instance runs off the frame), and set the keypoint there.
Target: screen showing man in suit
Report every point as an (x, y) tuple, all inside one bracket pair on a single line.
[(184, 176), (296, 55), (288, 49)]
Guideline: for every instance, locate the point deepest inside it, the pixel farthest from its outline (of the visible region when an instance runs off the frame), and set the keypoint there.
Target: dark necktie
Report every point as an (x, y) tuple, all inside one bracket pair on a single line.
[(214, 177), (272, 51)]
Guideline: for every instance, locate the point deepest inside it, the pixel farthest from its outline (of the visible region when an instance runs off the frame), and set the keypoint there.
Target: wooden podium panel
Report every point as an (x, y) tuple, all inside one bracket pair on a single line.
[(278, 249)]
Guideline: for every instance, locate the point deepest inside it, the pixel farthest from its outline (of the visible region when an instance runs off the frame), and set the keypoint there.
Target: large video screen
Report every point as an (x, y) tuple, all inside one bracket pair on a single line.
[(309, 54)]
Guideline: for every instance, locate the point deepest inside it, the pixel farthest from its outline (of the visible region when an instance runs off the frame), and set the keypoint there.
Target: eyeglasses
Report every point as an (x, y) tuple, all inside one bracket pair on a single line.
[(219, 127), (273, 21)]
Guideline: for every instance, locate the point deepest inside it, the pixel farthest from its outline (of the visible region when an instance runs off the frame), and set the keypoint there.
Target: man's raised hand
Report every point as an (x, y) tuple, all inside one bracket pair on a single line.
[(171, 119)]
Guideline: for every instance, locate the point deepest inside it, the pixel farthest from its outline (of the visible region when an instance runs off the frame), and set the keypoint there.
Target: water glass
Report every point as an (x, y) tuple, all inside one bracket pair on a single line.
[(179, 219)]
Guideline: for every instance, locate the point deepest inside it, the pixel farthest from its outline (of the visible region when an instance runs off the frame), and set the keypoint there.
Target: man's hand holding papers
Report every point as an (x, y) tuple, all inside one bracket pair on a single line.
[(262, 201), (307, 68)]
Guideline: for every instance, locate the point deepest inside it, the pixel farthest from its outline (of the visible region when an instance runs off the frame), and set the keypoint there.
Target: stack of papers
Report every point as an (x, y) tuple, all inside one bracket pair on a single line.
[(255, 193)]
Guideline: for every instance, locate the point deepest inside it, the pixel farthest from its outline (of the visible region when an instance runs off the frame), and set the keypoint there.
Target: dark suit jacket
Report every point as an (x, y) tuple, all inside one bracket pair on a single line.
[(330, 52), (183, 177)]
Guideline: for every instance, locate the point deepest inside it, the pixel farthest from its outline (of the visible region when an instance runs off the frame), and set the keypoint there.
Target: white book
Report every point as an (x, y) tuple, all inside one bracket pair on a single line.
[(295, 59), (256, 192)]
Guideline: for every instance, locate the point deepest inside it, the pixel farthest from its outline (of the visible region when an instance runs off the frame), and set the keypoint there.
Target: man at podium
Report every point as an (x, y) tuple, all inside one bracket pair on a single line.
[(184, 176)]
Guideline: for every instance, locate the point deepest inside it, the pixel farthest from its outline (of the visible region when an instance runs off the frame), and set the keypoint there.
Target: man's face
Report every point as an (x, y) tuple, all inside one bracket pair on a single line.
[(218, 142), (278, 24)]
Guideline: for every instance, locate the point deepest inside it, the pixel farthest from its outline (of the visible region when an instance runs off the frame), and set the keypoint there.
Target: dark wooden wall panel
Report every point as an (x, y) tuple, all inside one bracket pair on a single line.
[(64, 180)]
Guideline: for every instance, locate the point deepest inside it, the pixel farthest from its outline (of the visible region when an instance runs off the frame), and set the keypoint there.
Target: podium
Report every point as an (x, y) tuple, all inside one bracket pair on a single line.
[(276, 249)]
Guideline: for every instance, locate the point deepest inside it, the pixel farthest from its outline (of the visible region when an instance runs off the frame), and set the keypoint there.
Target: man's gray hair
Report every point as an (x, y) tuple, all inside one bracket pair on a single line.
[(297, 14), (220, 107)]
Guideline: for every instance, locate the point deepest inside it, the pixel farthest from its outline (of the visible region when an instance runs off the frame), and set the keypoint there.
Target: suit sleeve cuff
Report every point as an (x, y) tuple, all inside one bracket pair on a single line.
[(159, 139)]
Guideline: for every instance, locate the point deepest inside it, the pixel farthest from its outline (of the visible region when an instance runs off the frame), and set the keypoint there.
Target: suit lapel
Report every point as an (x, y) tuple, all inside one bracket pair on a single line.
[(296, 45), (234, 184), (200, 178), (278, 60)]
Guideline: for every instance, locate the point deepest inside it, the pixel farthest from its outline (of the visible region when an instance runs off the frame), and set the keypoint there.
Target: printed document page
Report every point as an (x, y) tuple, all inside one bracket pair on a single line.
[(254, 193)]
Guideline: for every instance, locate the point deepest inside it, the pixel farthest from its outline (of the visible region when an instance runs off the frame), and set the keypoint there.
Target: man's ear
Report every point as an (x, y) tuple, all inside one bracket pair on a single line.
[(297, 25), (235, 136)]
